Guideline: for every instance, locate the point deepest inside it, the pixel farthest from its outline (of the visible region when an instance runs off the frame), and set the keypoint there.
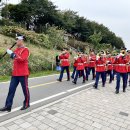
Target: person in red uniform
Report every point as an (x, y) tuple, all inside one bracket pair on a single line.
[(64, 58), (80, 68), (74, 67), (115, 66), (86, 64), (91, 65), (121, 60), (128, 65), (109, 63), (19, 75), (100, 70)]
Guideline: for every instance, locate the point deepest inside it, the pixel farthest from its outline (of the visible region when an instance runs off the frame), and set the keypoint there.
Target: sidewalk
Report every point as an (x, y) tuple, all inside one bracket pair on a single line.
[(87, 110)]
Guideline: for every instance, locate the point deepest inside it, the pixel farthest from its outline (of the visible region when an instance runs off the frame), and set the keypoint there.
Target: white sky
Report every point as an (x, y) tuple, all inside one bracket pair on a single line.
[(115, 14)]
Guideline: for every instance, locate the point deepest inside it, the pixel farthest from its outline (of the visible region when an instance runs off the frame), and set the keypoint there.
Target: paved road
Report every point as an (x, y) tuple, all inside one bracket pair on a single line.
[(43, 90), (88, 109)]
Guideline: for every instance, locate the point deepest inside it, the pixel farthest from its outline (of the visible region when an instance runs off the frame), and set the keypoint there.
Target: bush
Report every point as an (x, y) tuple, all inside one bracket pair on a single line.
[(7, 22), (80, 46), (43, 48), (56, 38), (52, 39), (36, 64)]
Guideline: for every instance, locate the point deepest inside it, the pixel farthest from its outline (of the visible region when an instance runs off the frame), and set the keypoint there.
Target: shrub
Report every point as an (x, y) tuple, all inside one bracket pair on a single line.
[(52, 39)]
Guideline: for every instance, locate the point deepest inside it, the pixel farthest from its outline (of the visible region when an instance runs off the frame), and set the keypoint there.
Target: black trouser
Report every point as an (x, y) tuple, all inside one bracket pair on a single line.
[(87, 73), (124, 77), (77, 74), (93, 71), (62, 72), (98, 74), (109, 72), (15, 80)]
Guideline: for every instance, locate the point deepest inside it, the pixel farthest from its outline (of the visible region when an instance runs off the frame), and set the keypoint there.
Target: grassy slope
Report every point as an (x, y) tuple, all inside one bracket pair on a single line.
[(6, 42)]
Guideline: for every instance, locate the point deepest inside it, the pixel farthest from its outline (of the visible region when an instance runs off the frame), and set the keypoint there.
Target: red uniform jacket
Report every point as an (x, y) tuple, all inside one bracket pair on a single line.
[(109, 63), (64, 58), (75, 63), (121, 64), (115, 66), (100, 65), (20, 65), (80, 63), (128, 58), (86, 63), (92, 61)]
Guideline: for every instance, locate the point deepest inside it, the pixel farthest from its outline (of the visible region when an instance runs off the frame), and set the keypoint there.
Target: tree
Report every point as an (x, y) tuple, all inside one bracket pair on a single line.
[(96, 39), (43, 13)]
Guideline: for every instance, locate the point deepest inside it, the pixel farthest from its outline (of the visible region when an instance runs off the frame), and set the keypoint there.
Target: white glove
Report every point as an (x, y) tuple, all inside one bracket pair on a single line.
[(9, 51), (118, 56), (108, 62), (97, 57)]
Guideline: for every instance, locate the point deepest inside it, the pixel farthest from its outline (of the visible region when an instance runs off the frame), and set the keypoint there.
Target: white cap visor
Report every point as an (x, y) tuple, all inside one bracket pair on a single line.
[(20, 38)]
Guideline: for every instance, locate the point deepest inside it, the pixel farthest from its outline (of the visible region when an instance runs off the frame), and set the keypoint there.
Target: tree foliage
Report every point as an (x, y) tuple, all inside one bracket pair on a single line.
[(44, 13)]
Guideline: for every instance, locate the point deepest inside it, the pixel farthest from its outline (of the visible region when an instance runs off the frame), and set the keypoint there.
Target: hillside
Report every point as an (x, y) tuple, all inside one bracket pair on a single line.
[(40, 58)]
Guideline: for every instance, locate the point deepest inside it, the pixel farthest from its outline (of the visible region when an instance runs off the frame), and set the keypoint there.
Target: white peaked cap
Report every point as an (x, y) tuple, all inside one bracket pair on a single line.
[(20, 37)]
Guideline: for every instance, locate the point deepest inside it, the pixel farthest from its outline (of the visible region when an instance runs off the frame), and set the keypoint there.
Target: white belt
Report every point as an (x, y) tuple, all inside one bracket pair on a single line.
[(80, 64), (122, 64), (92, 61), (100, 65)]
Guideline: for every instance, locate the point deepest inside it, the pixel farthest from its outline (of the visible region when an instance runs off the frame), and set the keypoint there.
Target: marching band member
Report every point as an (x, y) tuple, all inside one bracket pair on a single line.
[(64, 58), (121, 60), (109, 64), (86, 63), (19, 75), (80, 68), (74, 66), (115, 66), (100, 70), (91, 65), (128, 57)]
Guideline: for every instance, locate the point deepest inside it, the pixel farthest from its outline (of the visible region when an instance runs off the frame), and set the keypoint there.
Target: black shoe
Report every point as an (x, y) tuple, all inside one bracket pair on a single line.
[(103, 85), (83, 81), (86, 79), (59, 80), (117, 92), (24, 108), (4, 109), (124, 90), (72, 77), (110, 82), (74, 82), (95, 86), (68, 79)]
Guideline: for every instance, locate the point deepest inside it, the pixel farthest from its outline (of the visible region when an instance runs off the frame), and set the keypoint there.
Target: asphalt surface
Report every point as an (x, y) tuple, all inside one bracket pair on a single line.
[(40, 88)]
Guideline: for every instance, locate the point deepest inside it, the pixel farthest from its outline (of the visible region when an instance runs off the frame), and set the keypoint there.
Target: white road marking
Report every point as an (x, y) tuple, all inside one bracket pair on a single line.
[(35, 110), (71, 90), (45, 99), (34, 103)]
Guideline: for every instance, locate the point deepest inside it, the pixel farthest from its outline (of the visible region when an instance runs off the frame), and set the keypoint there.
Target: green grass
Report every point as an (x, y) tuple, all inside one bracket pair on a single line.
[(38, 74), (43, 73), (32, 75)]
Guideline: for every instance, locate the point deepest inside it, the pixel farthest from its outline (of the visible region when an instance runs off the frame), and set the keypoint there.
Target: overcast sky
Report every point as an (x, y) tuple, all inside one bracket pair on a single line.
[(115, 14)]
